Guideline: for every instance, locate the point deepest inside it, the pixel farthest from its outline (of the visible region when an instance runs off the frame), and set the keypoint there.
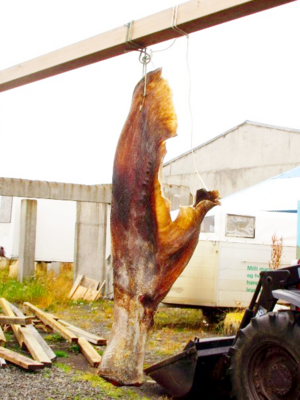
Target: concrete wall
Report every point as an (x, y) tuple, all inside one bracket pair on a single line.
[(27, 238), (242, 157), (90, 240)]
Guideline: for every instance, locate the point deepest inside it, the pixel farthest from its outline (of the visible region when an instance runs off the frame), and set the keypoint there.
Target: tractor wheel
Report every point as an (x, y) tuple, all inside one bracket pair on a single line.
[(266, 358)]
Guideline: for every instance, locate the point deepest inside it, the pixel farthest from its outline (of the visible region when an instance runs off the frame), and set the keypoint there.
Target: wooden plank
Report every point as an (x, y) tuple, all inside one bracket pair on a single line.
[(94, 339), (75, 285), (89, 283), (89, 352), (43, 327), (79, 293), (191, 17), (34, 347), (55, 325), (15, 327), (19, 359), (90, 295), (36, 334), (2, 337), (2, 363), (4, 320), (99, 291)]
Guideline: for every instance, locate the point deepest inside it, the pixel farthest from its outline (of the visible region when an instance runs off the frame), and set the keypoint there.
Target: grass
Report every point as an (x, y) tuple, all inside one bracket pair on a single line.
[(178, 318), (232, 322), (42, 290), (66, 368), (54, 338), (74, 348), (173, 327), (60, 353), (109, 389)]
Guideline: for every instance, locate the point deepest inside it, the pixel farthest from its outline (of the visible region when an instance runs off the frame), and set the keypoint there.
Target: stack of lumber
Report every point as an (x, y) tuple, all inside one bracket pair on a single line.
[(28, 337), (86, 289)]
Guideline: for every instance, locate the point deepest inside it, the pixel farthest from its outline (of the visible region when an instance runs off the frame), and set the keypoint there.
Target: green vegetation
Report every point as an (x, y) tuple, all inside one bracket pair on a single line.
[(109, 389), (54, 337), (74, 348), (42, 290), (60, 353), (66, 368), (178, 318)]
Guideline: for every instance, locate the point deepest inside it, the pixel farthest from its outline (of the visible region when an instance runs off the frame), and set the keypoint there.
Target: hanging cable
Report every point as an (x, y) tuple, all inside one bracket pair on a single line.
[(177, 29), (146, 57)]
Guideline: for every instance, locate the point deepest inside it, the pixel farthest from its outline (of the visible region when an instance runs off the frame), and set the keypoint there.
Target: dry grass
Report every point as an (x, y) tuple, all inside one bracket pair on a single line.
[(232, 322), (276, 252), (42, 290)]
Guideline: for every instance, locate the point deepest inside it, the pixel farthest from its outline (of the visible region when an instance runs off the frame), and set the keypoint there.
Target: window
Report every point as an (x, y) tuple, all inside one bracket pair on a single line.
[(240, 226)]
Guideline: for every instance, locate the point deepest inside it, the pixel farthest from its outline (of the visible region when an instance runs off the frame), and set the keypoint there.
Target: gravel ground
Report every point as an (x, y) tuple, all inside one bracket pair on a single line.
[(47, 384)]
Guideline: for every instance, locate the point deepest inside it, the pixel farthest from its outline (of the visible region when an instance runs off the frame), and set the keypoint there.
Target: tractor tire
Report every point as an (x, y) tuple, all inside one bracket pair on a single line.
[(265, 360)]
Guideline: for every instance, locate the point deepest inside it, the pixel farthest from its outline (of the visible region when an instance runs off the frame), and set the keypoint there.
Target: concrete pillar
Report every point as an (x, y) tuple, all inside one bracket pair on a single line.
[(90, 240), (27, 238), (298, 233)]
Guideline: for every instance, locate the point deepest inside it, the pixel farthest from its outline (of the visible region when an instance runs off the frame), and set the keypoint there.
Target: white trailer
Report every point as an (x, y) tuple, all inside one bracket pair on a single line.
[(234, 247)]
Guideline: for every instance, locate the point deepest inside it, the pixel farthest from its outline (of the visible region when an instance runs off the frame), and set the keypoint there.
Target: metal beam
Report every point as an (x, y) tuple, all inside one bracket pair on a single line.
[(55, 191), (191, 17)]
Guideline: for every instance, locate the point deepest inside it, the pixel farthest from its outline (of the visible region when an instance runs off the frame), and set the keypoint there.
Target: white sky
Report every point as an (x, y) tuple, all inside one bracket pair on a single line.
[(66, 128)]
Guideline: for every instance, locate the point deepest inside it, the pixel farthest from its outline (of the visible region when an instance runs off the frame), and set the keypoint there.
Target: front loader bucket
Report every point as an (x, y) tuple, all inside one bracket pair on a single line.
[(176, 374), (196, 370)]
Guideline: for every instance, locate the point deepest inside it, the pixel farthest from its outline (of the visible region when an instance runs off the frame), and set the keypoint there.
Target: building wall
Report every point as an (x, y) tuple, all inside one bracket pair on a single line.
[(242, 157)]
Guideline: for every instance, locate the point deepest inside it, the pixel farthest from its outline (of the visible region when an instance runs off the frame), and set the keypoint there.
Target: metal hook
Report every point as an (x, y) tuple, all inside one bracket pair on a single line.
[(145, 59)]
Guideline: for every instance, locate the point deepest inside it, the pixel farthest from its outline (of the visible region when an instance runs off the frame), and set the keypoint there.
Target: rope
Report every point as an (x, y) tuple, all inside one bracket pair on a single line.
[(177, 29), (174, 22), (191, 115)]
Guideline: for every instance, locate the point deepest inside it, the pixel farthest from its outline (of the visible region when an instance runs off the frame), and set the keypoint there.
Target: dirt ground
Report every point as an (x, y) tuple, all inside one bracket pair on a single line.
[(174, 328)]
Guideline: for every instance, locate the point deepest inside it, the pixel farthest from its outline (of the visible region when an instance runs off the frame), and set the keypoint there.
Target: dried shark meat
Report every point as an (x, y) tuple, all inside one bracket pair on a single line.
[(149, 250)]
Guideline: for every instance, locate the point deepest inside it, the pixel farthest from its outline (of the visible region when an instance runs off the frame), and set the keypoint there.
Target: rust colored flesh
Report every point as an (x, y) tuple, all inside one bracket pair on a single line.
[(149, 249)]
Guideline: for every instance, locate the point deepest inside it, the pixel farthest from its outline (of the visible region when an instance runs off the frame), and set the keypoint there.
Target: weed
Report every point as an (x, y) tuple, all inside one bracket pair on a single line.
[(46, 373), (178, 318), (108, 388), (43, 289), (276, 252), (66, 368), (60, 353), (54, 337), (74, 348), (232, 322)]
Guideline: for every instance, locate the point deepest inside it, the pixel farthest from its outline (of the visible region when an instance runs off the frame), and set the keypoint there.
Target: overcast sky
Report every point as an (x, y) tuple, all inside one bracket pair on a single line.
[(66, 128)]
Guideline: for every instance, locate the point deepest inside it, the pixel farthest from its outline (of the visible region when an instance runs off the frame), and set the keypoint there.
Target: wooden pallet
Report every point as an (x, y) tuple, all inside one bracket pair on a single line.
[(86, 289)]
